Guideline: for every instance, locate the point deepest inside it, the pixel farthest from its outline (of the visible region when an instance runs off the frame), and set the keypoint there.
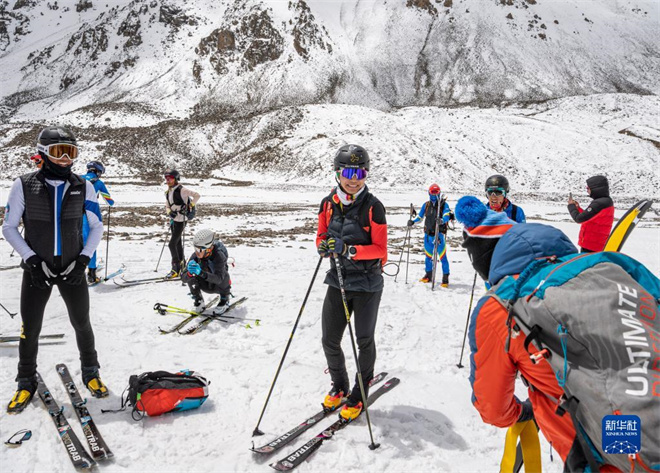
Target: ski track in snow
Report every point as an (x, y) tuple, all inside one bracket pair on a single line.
[(426, 424)]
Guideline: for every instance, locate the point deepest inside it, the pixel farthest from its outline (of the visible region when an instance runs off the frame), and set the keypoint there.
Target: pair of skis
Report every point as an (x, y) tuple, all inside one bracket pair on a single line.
[(139, 282), (184, 328), (295, 458), (77, 453), (108, 277)]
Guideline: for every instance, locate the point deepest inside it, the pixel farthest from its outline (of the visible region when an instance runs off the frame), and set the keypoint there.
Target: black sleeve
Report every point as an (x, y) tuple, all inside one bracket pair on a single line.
[(378, 213), (590, 212), (220, 267)]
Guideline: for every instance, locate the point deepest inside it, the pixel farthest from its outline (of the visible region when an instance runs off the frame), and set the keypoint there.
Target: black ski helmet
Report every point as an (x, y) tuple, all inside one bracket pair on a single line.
[(172, 172), (498, 181), (352, 156), (96, 167), (52, 135)]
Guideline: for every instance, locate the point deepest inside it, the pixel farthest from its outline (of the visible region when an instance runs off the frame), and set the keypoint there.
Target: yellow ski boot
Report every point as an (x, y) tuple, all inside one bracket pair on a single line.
[(350, 411), (21, 399), (334, 399)]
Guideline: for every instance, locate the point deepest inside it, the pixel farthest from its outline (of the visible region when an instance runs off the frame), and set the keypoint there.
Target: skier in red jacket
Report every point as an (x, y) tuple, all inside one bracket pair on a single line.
[(597, 219)]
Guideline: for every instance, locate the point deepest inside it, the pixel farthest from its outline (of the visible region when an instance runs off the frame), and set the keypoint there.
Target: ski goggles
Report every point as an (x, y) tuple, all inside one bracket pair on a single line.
[(359, 173), (14, 440), (204, 251), (59, 151), (498, 191)]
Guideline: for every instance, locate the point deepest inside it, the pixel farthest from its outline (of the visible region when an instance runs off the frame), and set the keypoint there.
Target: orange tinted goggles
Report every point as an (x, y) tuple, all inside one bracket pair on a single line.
[(59, 150)]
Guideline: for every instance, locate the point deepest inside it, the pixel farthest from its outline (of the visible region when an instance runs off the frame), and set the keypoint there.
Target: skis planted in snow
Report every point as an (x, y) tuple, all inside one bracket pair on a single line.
[(97, 445), (284, 439), (16, 338), (77, 453), (300, 455), (210, 318), (193, 315), (626, 225)]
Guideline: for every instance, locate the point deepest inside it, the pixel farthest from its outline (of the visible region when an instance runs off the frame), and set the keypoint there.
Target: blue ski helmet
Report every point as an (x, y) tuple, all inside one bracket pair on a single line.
[(96, 167)]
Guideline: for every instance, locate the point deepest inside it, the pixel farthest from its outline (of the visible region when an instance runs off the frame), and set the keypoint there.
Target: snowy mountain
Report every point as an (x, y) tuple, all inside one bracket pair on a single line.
[(276, 86)]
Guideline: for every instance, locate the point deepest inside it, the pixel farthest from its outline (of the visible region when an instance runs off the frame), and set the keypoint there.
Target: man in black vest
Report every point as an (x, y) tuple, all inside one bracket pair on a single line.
[(352, 226), (51, 203), (180, 207)]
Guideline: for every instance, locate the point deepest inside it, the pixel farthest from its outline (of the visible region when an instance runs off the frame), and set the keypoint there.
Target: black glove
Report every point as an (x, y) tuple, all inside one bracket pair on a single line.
[(410, 223), (527, 412), (74, 274), (173, 213), (337, 245), (39, 272), (323, 248)]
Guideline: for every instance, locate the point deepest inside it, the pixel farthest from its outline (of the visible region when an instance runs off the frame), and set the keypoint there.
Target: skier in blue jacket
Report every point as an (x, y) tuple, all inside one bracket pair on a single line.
[(95, 170), (497, 191), (429, 213)]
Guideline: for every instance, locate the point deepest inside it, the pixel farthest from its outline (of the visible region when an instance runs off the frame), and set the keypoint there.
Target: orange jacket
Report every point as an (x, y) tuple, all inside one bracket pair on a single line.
[(493, 376)]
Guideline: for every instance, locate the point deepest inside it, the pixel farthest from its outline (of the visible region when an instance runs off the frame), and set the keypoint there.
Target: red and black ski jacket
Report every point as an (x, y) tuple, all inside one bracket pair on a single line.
[(362, 225), (596, 219)]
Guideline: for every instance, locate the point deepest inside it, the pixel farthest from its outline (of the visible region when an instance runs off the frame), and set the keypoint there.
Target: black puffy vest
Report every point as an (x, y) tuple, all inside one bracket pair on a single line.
[(431, 215), (38, 218), (352, 225)]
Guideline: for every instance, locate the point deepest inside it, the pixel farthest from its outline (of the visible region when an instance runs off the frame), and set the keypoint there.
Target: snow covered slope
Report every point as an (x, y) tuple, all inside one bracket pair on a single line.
[(244, 56), (426, 424)]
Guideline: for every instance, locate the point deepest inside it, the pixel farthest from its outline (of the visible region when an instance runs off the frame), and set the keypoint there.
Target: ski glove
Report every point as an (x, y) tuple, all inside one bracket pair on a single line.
[(194, 269), (74, 274), (527, 412), (337, 245), (323, 248), (411, 223), (173, 213), (39, 272)]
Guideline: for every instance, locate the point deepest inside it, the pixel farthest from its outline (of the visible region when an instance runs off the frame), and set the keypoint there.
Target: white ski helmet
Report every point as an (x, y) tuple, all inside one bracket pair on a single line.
[(204, 238)]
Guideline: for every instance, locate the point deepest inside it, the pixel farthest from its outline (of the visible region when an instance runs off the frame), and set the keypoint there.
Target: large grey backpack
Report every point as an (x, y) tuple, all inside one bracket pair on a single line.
[(594, 318)]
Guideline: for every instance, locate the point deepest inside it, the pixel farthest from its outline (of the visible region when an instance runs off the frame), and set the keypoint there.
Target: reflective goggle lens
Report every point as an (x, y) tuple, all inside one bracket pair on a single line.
[(495, 191), (60, 150), (434, 191), (348, 173), (24, 435), (204, 250)]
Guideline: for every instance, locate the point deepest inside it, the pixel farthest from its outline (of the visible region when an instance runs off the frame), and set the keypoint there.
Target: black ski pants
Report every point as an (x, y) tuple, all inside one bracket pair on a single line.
[(198, 285), (176, 245), (364, 309), (33, 305)]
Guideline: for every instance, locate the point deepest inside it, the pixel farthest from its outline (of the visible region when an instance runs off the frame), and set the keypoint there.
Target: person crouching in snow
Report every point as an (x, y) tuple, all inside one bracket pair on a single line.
[(208, 271)]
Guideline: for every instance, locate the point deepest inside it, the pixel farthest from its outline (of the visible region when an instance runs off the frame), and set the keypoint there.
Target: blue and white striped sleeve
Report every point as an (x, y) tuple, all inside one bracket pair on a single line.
[(13, 215), (95, 220)]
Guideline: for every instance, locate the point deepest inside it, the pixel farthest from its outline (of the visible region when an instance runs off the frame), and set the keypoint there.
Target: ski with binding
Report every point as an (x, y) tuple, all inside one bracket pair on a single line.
[(97, 445), (292, 434), (77, 453), (184, 322), (294, 459), (210, 318)]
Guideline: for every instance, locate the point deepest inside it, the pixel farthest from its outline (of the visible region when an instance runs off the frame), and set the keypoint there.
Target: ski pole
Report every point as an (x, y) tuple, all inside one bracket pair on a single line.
[(373, 445), (435, 244), (163, 248), (286, 349), (11, 314), (468, 320), (403, 247), (107, 245)]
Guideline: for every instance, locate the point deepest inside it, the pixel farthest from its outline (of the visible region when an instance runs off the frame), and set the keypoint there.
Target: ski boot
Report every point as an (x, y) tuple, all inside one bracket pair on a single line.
[(173, 274), (427, 277), (92, 380), (22, 396), (334, 399), (445, 280), (198, 305), (351, 410), (222, 306), (91, 276)]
